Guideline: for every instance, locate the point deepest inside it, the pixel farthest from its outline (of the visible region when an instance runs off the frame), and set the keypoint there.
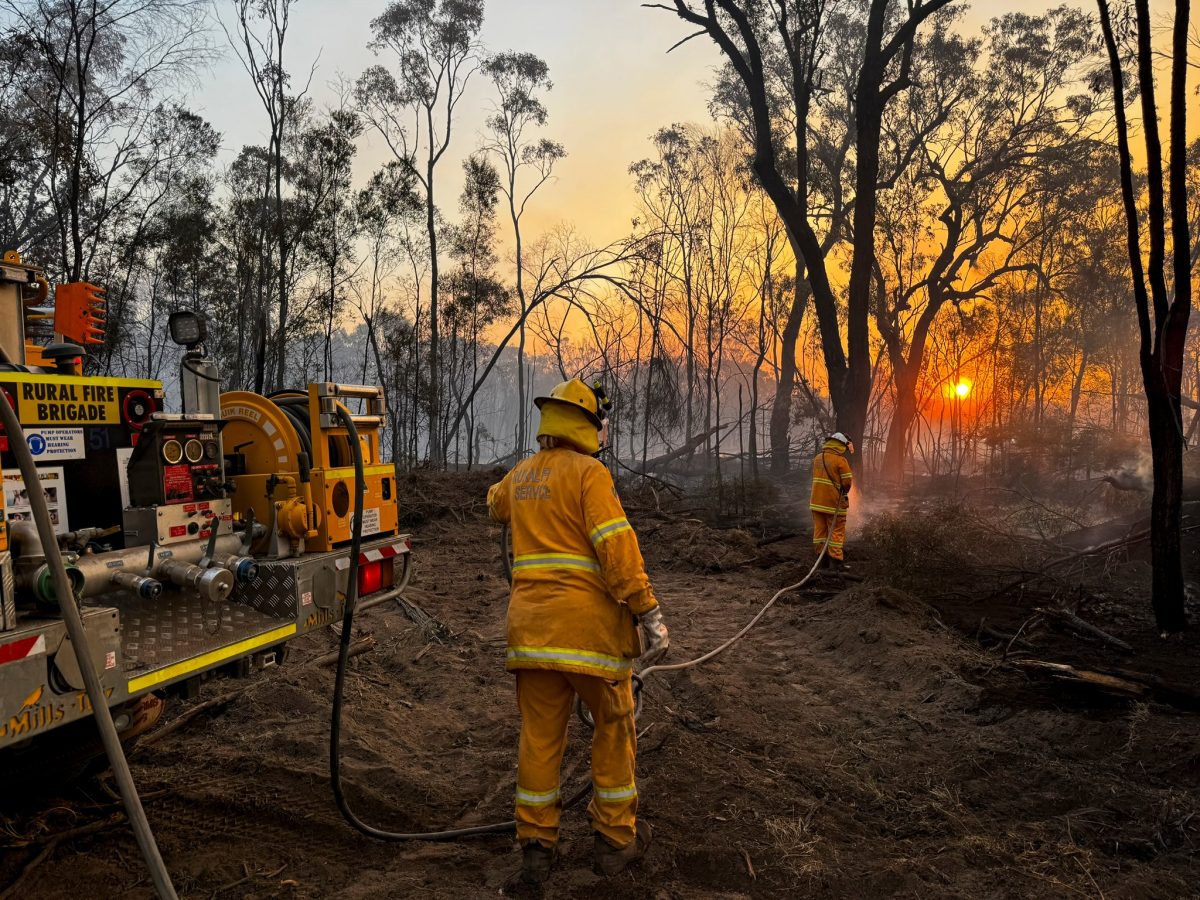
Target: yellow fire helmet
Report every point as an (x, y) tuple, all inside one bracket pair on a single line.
[(571, 413)]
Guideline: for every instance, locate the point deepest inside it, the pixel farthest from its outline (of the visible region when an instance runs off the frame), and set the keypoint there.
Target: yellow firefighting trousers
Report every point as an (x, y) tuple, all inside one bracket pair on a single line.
[(545, 698), (822, 522)]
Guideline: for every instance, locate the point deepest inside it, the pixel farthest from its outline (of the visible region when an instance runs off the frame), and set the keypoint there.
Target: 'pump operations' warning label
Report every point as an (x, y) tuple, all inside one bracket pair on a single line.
[(55, 443)]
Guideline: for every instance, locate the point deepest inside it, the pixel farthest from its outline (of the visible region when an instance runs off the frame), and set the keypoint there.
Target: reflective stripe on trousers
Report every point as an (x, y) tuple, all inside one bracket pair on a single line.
[(546, 699), (822, 523), (614, 795), (527, 797)]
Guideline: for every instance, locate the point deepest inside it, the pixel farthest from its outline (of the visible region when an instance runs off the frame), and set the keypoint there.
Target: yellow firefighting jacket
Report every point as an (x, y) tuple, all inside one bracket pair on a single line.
[(578, 574), (831, 478)]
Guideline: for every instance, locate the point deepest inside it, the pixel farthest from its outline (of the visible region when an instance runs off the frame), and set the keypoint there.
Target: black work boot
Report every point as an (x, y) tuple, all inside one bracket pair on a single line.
[(536, 862), (610, 860)]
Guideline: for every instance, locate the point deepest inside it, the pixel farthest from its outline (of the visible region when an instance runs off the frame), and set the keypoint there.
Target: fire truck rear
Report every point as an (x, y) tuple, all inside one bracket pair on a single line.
[(196, 541)]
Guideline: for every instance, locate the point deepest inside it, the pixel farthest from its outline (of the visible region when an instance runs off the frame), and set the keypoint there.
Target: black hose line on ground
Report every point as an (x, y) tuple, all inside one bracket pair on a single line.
[(335, 724), (73, 621)]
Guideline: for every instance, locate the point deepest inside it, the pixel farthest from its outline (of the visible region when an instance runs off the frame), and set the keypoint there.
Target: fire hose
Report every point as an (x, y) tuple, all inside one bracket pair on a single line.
[(639, 678), (77, 633), (335, 724)]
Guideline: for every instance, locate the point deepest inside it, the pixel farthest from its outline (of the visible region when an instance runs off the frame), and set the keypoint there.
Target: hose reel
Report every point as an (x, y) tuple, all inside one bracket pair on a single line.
[(293, 459)]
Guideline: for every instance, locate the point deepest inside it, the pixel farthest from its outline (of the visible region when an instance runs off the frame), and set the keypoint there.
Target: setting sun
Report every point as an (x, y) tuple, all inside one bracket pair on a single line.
[(963, 389)]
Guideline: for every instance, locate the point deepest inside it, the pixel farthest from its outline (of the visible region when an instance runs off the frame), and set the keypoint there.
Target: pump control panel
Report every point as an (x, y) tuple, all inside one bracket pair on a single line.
[(177, 460)]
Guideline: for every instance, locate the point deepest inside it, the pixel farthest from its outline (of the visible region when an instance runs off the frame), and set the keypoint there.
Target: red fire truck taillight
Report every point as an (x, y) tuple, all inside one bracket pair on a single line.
[(375, 576)]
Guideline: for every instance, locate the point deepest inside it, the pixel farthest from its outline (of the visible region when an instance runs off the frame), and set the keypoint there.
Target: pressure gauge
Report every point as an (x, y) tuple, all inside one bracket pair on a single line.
[(194, 451), (211, 451), (172, 451)]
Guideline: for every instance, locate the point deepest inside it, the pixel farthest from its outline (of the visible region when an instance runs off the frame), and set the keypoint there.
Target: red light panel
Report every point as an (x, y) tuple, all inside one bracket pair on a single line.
[(370, 578)]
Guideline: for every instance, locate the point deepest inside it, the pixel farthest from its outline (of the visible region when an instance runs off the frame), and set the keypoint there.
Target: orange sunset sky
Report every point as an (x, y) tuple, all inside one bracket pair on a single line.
[(614, 85)]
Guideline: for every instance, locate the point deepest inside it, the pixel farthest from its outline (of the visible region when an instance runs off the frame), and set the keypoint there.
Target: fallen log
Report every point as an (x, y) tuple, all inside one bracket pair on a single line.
[(359, 647), (1107, 546), (674, 490), (1088, 677), (433, 629), (1126, 682), (1078, 625), (49, 846), (766, 542), (188, 715), (689, 447), (1003, 637)]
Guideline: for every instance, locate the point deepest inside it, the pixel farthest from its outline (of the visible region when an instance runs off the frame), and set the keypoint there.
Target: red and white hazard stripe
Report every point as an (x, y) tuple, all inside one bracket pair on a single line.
[(377, 555), (380, 553), (23, 648)]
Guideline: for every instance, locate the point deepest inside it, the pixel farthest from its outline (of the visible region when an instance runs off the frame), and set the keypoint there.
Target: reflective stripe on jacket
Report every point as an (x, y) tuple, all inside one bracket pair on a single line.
[(578, 574), (831, 478)]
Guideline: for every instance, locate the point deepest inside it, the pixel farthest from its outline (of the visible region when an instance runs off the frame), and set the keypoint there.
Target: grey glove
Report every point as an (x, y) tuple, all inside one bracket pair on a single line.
[(655, 638)]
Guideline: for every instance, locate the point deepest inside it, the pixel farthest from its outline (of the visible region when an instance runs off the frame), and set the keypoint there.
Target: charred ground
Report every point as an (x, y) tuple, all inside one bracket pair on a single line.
[(876, 737)]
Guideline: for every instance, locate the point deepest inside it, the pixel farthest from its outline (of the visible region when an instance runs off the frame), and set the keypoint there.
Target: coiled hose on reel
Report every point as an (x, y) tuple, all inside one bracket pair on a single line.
[(294, 405)]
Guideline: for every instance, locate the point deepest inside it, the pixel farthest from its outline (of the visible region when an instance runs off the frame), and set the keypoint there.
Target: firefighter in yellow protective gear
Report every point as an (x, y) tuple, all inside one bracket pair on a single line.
[(580, 594), (830, 499)]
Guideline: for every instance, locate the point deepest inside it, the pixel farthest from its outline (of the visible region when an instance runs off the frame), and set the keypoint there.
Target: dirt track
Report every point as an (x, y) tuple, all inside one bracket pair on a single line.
[(855, 746)]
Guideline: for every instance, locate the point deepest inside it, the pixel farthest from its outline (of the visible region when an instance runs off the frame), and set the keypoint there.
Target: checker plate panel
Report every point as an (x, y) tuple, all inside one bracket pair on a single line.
[(175, 627)]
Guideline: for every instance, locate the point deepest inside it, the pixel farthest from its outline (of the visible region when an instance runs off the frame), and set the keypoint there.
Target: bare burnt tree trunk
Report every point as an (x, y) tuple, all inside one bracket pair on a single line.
[(437, 453), (906, 375), (895, 452), (1163, 338), (781, 408)]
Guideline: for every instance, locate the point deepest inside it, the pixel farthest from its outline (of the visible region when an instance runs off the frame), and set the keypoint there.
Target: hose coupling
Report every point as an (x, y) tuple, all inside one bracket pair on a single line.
[(144, 587), (244, 568), (213, 584), (43, 582)]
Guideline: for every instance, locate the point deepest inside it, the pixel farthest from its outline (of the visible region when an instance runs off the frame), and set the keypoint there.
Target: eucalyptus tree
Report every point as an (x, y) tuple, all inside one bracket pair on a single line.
[(88, 86), (478, 298), (526, 165), (998, 127), (387, 200), (436, 50), (327, 224), (259, 41), (781, 55)]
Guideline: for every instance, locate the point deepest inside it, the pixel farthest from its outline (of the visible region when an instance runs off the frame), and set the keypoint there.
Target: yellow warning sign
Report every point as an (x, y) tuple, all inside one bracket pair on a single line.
[(62, 402)]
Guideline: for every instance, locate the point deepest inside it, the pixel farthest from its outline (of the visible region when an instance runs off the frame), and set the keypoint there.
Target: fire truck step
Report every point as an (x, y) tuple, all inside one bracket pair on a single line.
[(164, 641)]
